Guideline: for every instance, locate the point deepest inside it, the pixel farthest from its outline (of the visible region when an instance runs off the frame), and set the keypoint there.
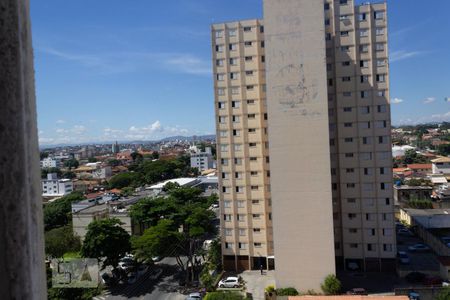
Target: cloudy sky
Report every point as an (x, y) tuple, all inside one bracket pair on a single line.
[(123, 70)]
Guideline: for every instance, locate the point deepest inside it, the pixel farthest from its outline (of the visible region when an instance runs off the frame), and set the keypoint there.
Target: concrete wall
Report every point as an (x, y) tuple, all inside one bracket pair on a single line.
[(299, 142)]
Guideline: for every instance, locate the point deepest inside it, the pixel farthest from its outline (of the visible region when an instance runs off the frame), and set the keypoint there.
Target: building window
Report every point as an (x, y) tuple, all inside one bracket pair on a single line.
[(227, 218), (379, 31), (254, 187), (228, 231), (248, 58), (388, 201), (224, 161), (222, 119), (326, 6), (256, 216), (371, 247), (387, 247), (236, 119), (379, 47), (253, 173), (378, 15), (248, 44), (364, 63), (348, 155), (362, 17), (223, 133), (253, 158), (382, 108), (344, 17), (364, 94), (247, 29), (249, 73), (353, 230), (346, 79), (263, 58), (221, 105), (219, 62), (250, 87), (345, 48), (348, 125), (237, 147), (351, 185), (238, 161), (364, 48), (381, 77), (365, 110), (368, 171), (381, 62), (363, 32), (235, 104), (351, 216), (350, 170), (364, 78), (220, 77), (241, 217), (219, 48), (232, 47), (255, 202), (263, 45), (343, 2), (220, 91), (251, 130), (219, 33), (232, 32), (257, 245), (353, 245), (242, 245), (344, 33), (351, 200), (251, 102), (235, 90), (234, 76)]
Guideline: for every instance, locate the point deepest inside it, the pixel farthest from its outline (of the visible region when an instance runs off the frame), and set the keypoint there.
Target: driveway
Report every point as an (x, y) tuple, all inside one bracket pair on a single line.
[(255, 283)]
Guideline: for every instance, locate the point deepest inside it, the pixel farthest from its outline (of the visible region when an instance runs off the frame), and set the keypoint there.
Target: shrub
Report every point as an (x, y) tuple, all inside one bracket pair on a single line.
[(331, 285), (289, 291), (270, 289), (223, 296)]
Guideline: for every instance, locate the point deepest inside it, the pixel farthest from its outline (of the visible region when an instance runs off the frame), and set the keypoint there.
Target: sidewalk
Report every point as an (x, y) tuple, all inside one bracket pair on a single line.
[(256, 283)]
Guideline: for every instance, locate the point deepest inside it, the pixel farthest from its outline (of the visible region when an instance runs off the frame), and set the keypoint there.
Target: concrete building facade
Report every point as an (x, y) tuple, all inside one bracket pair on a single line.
[(328, 124), (52, 186), (202, 160)]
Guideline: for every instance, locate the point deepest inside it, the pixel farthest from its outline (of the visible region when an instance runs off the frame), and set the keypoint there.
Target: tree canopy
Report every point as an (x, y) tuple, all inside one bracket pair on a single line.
[(61, 240), (179, 223), (71, 163), (105, 239), (57, 213)]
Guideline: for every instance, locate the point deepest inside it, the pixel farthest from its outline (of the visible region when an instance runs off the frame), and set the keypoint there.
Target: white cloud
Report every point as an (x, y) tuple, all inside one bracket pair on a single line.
[(128, 62), (444, 117), (429, 100), (79, 129), (60, 121), (402, 54), (447, 99), (396, 100)]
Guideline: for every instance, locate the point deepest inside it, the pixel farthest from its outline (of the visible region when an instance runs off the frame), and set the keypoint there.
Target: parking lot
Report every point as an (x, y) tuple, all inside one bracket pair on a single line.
[(425, 262)]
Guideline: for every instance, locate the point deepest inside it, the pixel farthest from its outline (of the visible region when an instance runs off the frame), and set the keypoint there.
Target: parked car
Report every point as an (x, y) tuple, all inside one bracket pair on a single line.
[(126, 265), (403, 258), (413, 296), (194, 296), (142, 269), (214, 205), (229, 282), (132, 277), (108, 279), (404, 232), (419, 248), (357, 291), (415, 277)]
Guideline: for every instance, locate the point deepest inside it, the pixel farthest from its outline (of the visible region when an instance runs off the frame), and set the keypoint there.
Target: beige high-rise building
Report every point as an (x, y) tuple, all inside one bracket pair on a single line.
[(326, 117)]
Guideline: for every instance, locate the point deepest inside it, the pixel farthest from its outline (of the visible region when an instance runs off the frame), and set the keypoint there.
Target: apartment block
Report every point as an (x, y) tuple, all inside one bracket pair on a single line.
[(242, 152), (326, 118)]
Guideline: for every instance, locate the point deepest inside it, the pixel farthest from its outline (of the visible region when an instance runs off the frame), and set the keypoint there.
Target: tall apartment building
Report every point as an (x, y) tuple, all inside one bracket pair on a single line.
[(242, 152), (327, 118)]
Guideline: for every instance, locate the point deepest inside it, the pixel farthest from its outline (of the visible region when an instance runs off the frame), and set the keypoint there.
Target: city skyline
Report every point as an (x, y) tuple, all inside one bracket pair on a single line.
[(98, 79)]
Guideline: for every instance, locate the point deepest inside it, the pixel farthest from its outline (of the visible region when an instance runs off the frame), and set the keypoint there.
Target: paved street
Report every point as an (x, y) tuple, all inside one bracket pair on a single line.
[(159, 282)]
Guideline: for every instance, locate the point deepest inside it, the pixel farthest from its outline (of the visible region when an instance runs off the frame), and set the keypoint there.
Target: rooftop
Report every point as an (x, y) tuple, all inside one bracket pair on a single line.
[(441, 160), (348, 297), (418, 187), (180, 181)]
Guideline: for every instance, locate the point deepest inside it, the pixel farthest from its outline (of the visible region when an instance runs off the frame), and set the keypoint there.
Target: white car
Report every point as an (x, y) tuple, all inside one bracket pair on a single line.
[(194, 296), (403, 258), (419, 248), (229, 282)]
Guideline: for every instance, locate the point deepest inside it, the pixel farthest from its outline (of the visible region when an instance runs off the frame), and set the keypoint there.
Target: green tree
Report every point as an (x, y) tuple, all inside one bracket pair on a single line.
[(113, 162), (137, 157), (127, 191), (61, 240), (289, 291), (444, 149), (224, 296), (43, 155), (92, 159), (68, 175), (46, 171), (444, 294), (122, 180), (155, 155), (331, 285), (420, 204), (71, 163), (178, 224), (58, 212), (106, 239), (412, 157)]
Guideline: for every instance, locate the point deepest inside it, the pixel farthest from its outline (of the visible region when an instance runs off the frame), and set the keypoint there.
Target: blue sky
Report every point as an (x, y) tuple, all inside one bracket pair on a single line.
[(126, 70)]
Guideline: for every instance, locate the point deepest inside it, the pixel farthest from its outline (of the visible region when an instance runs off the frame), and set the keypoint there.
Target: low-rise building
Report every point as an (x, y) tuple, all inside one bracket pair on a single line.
[(93, 171), (441, 165), (405, 193), (183, 182), (202, 160), (84, 212), (420, 170), (52, 186), (50, 162)]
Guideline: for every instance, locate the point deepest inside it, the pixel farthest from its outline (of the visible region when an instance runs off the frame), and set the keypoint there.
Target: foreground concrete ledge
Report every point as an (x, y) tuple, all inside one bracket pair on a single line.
[(22, 270)]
